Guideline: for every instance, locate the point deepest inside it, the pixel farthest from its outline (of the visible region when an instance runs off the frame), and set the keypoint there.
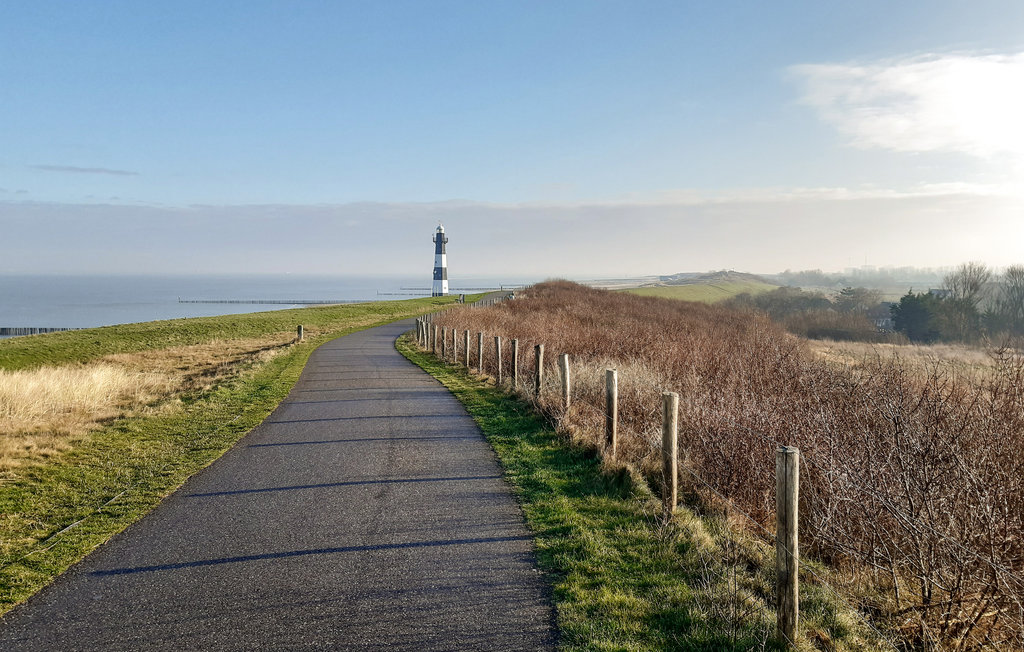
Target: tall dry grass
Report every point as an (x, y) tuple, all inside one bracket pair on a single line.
[(44, 411), (911, 479)]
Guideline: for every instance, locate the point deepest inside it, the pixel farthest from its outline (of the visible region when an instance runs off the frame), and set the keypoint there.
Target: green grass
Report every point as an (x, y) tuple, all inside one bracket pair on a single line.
[(85, 345), (704, 292), (622, 578), (54, 511)]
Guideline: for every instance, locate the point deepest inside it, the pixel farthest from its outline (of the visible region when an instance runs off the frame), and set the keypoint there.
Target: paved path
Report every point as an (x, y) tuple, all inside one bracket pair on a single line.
[(367, 512)]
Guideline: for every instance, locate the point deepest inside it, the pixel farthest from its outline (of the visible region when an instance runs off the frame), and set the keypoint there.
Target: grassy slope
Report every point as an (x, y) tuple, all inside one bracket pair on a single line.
[(81, 346), (704, 292), (622, 579), (53, 512)]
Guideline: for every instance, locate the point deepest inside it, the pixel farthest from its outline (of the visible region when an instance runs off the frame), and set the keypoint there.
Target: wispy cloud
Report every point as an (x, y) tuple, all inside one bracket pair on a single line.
[(965, 103), (78, 170)]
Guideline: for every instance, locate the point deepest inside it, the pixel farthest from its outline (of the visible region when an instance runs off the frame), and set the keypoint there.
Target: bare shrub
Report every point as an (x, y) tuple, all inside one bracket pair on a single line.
[(912, 478), (821, 324)]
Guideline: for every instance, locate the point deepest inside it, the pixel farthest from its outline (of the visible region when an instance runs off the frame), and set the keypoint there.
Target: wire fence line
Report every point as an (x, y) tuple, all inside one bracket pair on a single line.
[(804, 568), (825, 469), (560, 383)]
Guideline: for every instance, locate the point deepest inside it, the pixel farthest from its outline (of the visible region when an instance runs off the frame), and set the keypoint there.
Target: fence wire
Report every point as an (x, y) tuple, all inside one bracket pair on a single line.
[(592, 412)]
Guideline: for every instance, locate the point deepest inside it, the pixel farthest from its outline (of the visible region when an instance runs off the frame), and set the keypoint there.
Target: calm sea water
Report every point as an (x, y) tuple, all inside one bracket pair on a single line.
[(88, 301)]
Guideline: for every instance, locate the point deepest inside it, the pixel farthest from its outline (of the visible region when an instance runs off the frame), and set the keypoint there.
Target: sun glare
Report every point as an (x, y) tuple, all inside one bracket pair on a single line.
[(969, 104)]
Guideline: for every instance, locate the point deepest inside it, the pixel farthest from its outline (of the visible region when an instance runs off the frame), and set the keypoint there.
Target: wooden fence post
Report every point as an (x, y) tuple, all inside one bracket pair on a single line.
[(455, 346), (611, 409), (497, 358), (563, 368), (467, 349), (433, 344), (444, 342), (787, 551), (515, 364), (479, 353), (538, 374), (669, 457), (298, 333)]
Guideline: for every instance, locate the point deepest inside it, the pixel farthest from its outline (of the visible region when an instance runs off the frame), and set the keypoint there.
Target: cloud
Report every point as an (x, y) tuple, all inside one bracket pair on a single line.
[(77, 170), (828, 228), (964, 103)]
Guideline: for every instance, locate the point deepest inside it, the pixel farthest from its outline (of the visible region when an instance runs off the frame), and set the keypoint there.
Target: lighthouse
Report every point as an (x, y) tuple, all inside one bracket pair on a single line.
[(440, 288)]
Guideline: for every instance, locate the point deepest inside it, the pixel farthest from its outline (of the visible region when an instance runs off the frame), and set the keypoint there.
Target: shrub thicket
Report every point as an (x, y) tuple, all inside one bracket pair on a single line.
[(911, 481)]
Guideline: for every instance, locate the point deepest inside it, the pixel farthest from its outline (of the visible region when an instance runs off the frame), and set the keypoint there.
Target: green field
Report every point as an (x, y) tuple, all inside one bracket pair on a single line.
[(710, 292), (55, 509)]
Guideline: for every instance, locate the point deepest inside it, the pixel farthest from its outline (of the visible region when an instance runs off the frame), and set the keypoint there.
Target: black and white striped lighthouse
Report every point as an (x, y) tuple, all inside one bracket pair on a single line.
[(440, 288)]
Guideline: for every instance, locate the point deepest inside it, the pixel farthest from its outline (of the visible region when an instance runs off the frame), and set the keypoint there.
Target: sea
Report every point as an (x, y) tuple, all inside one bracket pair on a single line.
[(54, 301)]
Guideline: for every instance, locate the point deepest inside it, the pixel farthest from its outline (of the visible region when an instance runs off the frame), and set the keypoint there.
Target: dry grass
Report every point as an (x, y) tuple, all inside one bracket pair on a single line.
[(198, 367), (44, 411), (911, 473), (919, 357)]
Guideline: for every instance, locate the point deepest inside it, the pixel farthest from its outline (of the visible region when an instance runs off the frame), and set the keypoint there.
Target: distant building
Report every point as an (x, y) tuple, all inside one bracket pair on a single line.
[(940, 293)]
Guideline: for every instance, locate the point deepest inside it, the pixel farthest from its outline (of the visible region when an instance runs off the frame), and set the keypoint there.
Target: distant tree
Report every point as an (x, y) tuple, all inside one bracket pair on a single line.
[(968, 285), (784, 301), (1007, 313), (857, 299), (918, 316)]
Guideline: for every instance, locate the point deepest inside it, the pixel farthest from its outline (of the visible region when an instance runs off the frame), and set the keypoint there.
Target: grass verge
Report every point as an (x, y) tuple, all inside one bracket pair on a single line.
[(622, 578), (54, 510)]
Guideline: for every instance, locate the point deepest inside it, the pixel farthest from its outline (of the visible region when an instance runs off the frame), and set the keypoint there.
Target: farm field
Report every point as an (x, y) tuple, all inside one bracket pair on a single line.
[(702, 292), (909, 483), (708, 288), (97, 426)]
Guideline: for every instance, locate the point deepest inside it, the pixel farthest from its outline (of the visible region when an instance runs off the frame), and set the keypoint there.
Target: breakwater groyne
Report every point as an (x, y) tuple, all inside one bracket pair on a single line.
[(275, 302), (14, 331)]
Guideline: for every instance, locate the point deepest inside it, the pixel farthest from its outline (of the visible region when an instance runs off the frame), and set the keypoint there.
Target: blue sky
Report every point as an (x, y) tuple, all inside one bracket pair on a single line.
[(751, 135)]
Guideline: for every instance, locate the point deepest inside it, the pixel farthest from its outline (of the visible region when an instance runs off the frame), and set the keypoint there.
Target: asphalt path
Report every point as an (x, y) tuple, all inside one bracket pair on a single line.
[(366, 513)]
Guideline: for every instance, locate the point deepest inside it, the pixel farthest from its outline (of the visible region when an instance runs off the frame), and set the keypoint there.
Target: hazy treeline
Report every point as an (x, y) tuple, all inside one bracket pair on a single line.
[(967, 304), (973, 302), (864, 277), (855, 313)]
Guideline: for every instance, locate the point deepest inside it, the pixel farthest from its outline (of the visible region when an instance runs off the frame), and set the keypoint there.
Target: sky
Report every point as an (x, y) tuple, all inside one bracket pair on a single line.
[(577, 138)]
